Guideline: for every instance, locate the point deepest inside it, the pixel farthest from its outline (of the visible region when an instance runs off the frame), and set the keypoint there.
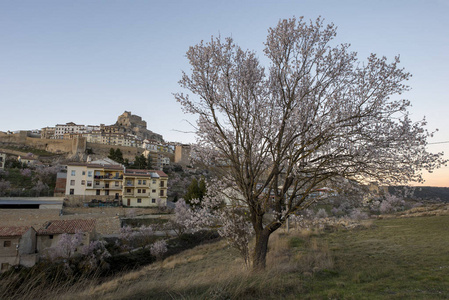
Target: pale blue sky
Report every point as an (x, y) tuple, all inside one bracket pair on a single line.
[(88, 61)]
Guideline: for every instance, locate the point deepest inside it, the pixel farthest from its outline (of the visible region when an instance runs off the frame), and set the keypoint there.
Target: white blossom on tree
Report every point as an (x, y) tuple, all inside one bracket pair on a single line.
[(315, 116), (66, 246), (158, 249)]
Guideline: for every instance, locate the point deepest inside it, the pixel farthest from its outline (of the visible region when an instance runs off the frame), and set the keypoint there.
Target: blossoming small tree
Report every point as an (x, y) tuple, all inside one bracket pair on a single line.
[(315, 116)]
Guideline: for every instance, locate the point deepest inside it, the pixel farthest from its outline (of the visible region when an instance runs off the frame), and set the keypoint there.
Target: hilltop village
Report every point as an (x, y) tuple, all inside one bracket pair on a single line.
[(95, 162)]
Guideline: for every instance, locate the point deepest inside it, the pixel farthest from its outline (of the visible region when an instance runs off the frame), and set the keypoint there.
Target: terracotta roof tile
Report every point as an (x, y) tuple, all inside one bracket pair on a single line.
[(67, 226), (13, 230)]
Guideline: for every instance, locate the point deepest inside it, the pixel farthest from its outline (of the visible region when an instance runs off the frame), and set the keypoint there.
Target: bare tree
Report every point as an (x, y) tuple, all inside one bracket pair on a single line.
[(317, 116)]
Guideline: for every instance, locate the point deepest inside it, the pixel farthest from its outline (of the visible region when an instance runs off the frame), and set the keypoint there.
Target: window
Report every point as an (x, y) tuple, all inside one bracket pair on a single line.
[(144, 182), (72, 191), (154, 181), (144, 191), (139, 200), (83, 182), (97, 182), (153, 191), (7, 244), (128, 190), (84, 173), (72, 182), (73, 173), (50, 236), (106, 192), (129, 183), (89, 183), (153, 200), (162, 193), (139, 181), (97, 192), (139, 191), (162, 184), (89, 173), (116, 183)]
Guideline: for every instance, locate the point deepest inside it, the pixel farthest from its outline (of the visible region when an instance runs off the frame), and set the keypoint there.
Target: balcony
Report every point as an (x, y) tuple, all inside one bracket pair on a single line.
[(108, 177)]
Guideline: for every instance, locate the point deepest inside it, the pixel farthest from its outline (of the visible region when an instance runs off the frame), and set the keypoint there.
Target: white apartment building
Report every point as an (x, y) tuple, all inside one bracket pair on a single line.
[(68, 128), (106, 180)]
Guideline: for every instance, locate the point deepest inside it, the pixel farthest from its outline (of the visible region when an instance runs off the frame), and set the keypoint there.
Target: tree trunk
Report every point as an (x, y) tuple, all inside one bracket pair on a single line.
[(260, 250)]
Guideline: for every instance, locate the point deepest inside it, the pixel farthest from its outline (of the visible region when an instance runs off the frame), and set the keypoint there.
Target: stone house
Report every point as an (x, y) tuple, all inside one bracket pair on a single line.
[(28, 160), (17, 247), (51, 232)]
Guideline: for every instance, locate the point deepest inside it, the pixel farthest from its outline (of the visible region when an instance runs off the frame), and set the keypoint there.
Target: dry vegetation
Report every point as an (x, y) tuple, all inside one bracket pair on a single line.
[(392, 258), (388, 258)]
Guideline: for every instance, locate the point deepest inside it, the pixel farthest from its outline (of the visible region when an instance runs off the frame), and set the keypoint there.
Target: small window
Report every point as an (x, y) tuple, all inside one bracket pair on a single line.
[(89, 173), (83, 182), (128, 190), (73, 173), (72, 182), (98, 192), (139, 191), (162, 184), (139, 181), (97, 182), (162, 193), (144, 182), (72, 191), (153, 200), (7, 244), (153, 191), (84, 173), (89, 183), (139, 200), (154, 181), (117, 183), (50, 236), (144, 191)]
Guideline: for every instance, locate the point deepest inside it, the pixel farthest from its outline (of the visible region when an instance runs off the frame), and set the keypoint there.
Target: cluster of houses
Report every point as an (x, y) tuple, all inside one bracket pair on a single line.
[(129, 130), (26, 245)]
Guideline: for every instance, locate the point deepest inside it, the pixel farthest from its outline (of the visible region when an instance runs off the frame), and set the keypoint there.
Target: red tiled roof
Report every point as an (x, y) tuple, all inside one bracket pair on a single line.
[(67, 226), (13, 230)]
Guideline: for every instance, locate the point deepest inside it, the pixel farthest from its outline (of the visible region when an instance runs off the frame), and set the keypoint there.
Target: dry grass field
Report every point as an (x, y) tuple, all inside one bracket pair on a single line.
[(394, 257), (390, 258)]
